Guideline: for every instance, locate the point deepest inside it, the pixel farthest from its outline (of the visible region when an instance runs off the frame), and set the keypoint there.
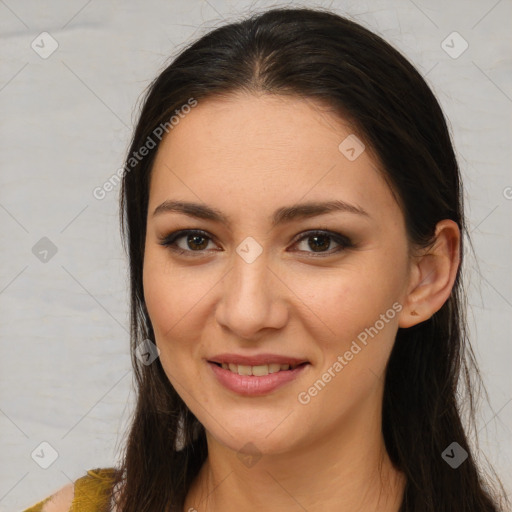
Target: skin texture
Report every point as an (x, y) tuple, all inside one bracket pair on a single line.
[(61, 500), (248, 155)]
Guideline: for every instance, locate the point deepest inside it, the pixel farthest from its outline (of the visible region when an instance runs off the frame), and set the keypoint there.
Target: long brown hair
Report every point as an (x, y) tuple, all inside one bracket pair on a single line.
[(322, 56)]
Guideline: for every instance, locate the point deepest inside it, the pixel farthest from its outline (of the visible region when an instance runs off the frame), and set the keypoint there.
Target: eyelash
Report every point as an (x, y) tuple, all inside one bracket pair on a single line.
[(169, 241)]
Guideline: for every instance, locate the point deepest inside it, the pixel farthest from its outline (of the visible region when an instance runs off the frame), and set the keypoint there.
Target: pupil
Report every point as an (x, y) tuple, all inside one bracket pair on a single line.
[(195, 237), (320, 246)]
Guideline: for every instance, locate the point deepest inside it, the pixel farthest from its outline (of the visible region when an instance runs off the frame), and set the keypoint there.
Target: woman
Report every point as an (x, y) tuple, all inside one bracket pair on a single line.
[(293, 216)]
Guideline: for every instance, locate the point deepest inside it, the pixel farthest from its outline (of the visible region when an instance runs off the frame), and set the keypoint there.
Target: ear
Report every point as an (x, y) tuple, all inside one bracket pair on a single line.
[(432, 275)]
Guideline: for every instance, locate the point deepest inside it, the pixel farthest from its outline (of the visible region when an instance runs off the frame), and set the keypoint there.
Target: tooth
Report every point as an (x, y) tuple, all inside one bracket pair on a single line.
[(244, 370), (260, 370), (274, 367)]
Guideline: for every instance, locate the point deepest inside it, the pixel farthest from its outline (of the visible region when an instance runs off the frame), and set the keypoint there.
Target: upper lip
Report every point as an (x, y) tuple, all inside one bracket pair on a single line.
[(256, 360)]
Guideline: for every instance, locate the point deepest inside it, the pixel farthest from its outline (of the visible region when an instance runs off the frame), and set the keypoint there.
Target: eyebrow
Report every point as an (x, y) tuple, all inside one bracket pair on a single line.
[(281, 215)]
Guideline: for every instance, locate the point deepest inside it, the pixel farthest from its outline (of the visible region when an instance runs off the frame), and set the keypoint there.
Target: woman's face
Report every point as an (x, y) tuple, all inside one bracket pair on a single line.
[(248, 287)]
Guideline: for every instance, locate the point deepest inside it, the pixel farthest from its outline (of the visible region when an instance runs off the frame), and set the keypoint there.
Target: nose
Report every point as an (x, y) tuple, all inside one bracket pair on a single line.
[(254, 299)]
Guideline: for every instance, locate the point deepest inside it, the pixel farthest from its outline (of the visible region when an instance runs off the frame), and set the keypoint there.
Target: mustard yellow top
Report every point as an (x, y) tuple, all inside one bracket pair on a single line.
[(92, 492)]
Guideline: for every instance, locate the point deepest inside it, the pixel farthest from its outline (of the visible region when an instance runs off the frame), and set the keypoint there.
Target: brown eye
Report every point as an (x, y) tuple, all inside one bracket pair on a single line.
[(195, 241), (320, 241)]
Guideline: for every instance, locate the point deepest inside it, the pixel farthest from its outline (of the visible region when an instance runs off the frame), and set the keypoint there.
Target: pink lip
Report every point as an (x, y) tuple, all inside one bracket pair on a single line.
[(256, 360), (251, 385)]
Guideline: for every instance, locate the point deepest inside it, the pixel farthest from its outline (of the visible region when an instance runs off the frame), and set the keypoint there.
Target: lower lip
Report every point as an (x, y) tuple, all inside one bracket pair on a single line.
[(250, 385)]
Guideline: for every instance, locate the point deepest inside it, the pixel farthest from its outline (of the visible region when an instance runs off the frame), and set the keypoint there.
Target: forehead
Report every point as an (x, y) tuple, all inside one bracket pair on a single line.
[(276, 128), (250, 151)]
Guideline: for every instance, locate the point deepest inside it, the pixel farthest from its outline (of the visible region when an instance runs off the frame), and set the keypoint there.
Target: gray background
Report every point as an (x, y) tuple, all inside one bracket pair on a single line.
[(65, 125)]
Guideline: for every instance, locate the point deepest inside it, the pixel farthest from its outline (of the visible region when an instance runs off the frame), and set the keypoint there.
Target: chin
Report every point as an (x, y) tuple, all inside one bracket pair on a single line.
[(256, 438)]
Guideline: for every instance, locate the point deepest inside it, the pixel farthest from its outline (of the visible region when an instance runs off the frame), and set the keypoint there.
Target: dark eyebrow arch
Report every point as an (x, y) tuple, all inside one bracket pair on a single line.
[(281, 215)]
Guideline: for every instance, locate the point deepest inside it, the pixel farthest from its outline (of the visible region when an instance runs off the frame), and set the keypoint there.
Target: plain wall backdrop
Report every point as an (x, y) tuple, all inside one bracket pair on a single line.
[(71, 74)]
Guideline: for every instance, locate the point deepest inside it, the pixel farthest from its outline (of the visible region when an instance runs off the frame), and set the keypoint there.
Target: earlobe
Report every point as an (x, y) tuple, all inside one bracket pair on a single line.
[(432, 275)]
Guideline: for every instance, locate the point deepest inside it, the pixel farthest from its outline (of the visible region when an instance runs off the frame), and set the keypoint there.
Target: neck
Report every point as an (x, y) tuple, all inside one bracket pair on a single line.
[(347, 471)]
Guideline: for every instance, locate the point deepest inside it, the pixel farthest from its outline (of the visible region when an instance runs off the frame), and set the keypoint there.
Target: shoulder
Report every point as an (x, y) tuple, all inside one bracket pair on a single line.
[(93, 488), (60, 501)]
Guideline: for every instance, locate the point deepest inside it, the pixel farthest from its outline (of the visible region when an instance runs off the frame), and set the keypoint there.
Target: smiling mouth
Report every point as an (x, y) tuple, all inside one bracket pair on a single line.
[(259, 370)]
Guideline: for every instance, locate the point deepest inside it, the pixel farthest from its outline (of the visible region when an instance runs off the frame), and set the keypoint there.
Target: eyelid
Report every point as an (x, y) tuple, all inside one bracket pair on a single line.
[(343, 241)]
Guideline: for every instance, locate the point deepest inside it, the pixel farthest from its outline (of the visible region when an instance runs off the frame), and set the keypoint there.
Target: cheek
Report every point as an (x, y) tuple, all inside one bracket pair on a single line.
[(353, 327), (170, 311), (175, 298), (355, 310), (346, 300), (170, 294), (169, 308)]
